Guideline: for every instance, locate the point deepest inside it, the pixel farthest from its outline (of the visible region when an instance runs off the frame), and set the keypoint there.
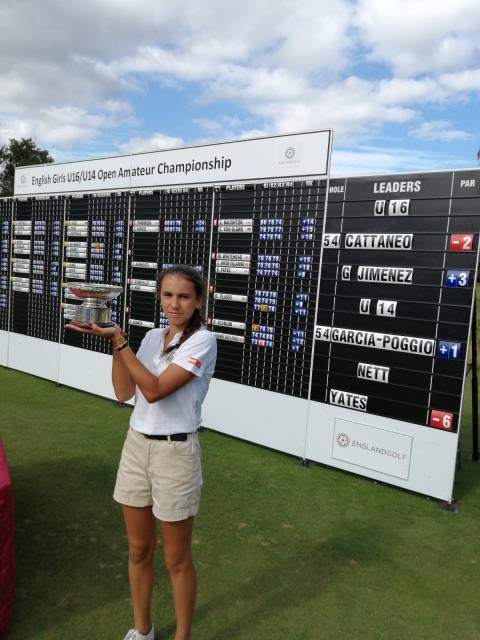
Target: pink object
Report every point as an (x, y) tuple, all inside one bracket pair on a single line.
[(7, 553)]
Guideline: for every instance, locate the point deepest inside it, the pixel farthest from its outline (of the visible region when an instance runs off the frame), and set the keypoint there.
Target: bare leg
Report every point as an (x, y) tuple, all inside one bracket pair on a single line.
[(177, 540), (142, 539)]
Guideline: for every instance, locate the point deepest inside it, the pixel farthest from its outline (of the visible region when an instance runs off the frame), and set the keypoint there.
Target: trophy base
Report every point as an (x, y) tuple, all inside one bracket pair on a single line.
[(101, 315)]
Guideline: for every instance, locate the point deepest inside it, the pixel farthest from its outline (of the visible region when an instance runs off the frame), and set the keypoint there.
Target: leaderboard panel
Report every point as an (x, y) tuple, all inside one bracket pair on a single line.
[(95, 251), (35, 267), (399, 269), (266, 241), (167, 227), (6, 208)]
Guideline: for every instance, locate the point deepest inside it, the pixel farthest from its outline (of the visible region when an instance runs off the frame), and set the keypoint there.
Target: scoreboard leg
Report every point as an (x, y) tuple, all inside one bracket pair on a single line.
[(448, 506), (475, 456)]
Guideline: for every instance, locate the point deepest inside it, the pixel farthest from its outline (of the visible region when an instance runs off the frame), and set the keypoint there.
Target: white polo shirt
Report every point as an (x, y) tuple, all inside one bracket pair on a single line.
[(179, 412)]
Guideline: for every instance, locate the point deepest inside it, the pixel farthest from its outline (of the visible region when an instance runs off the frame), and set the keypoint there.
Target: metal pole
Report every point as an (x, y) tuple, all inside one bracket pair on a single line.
[(475, 456)]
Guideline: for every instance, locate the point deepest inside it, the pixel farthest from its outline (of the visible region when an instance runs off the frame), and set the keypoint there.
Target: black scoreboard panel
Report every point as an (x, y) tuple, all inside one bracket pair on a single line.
[(21, 265), (397, 281), (265, 258), (35, 267), (44, 310), (167, 227), (6, 205), (94, 250)]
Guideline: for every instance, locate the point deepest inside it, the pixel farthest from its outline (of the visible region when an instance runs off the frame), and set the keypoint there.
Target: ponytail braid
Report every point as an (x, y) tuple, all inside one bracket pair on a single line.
[(196, 322)]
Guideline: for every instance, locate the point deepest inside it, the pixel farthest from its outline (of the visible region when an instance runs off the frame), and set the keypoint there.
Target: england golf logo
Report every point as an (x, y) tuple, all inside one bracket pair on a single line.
[(23, 178), (369, 447), (290, 153), (343, 440)]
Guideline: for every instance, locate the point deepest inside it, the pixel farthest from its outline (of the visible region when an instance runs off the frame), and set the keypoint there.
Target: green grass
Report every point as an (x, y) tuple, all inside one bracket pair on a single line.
[(282, 551)]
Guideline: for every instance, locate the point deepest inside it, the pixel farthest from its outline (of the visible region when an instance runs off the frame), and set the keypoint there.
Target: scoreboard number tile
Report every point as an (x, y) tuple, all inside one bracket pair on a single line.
[(347, 272), (461, 242), (331, 241), (449, 350), (441, 420), (387, 308), (399, 207), (455, 278), (364, 306), (379, 208)]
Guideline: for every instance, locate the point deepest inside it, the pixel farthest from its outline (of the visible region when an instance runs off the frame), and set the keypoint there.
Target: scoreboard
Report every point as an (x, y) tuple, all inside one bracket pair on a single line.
[(263, 281), (166, 227), (5, 247), (398, 274), (94, 250), (342, 308), (35, 267)]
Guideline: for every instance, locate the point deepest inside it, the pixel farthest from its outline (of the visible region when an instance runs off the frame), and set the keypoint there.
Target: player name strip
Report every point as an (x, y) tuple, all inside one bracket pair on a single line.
[(395, 241), (387, 341)]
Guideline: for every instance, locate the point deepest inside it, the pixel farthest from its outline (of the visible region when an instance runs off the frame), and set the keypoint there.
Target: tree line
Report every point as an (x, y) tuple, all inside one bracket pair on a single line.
[(18, 153)]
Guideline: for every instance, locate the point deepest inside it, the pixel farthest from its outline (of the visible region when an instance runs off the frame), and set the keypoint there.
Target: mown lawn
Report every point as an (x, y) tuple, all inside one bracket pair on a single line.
[(283, 552)]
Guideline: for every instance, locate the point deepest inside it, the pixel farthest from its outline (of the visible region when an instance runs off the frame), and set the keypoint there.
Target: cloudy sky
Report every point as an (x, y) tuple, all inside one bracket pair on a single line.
[(397, 80)]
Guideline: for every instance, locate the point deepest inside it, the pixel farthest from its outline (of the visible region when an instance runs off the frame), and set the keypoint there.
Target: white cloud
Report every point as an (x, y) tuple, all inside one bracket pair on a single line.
[(461, 81), (58, 126), (248, 85), (353, 108), (98, 52), (397, 91), (288, 67), (439, 130), (420, 36), (156, 142)]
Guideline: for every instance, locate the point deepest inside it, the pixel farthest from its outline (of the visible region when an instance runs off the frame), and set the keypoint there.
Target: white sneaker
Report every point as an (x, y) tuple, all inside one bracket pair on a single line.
[(133, 634)]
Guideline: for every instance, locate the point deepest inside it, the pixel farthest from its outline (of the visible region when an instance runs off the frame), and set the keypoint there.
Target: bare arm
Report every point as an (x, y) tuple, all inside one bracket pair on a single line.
[(153, 387), (128, 371), (122, 381)]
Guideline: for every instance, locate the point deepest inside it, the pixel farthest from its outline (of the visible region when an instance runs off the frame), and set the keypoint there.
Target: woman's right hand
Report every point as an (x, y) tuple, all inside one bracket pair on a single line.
[(113, 333)]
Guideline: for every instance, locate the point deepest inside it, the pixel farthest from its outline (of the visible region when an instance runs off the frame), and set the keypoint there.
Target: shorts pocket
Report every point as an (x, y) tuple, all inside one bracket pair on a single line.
[(186, 448)]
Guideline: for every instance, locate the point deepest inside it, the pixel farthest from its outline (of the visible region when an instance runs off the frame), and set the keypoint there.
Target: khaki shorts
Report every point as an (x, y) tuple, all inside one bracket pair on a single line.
[(164, 475)]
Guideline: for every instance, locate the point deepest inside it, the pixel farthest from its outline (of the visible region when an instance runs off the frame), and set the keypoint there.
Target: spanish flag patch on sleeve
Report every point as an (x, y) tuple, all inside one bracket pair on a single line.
[(195, 362)]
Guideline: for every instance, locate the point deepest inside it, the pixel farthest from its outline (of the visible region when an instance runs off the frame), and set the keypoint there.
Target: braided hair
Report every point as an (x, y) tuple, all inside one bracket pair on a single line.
[(193, 276)]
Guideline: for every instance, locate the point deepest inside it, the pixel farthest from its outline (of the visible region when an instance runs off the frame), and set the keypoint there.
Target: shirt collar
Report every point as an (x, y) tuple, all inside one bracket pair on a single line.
[(175, 340)]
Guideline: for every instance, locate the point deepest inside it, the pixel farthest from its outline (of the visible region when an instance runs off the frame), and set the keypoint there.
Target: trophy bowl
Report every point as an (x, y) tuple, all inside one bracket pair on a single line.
[(94, 307)]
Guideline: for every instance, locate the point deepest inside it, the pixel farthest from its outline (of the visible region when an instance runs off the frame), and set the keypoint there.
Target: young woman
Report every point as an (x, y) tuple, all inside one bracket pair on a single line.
[(159, 475)]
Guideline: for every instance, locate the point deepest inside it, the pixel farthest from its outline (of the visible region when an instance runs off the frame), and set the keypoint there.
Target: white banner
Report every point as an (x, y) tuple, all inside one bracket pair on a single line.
[(294, 155)]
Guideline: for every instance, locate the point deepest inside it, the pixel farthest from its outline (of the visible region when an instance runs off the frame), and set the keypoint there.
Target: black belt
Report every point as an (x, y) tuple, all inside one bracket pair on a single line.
[(176, 437)]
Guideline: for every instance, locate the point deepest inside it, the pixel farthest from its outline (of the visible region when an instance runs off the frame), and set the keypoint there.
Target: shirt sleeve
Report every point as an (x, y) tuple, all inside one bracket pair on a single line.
[(197, 354)]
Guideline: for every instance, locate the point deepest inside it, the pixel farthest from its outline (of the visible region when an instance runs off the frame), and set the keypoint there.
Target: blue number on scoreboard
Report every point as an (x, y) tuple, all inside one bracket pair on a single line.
[(456, 278), (449, 350)]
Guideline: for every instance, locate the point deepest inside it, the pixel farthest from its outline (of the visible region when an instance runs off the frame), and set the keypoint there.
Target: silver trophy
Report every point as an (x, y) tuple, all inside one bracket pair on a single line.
[(94, 307)]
